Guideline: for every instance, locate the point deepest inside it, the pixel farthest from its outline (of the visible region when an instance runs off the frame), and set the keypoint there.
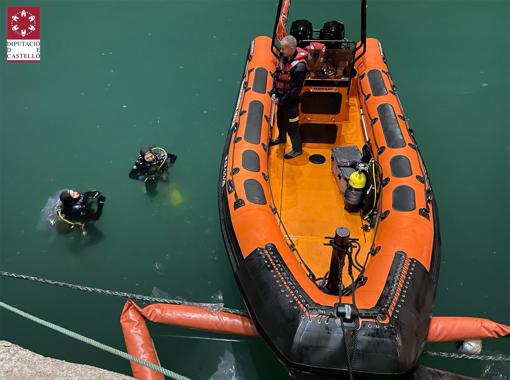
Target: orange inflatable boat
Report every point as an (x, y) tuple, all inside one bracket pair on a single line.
[(336, 251)]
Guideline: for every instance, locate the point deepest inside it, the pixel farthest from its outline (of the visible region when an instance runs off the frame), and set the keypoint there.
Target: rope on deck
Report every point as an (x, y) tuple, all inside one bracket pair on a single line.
[(94, 343), (453, 355), (115, 293)]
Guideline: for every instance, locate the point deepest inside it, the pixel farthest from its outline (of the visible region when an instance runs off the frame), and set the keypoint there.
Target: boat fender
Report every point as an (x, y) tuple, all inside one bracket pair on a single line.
[(470, 347)]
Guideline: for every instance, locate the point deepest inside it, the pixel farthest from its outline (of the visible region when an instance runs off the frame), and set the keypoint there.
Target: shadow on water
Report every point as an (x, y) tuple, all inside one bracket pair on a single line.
[(79, 241)]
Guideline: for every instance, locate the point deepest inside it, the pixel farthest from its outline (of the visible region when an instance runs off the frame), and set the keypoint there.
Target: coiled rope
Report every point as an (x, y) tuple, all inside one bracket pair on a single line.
[(94, 343)]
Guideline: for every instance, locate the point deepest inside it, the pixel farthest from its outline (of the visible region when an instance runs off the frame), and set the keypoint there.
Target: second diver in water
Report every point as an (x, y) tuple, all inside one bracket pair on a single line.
[(78, 209), (151, 166)]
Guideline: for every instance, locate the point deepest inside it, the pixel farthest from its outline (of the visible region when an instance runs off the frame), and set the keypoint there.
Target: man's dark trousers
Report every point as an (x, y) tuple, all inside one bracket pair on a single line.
[(287, 118)]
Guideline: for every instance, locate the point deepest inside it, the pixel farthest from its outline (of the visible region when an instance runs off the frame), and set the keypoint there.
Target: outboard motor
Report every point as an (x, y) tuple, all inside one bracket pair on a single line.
[(302, 30), (332, 30)]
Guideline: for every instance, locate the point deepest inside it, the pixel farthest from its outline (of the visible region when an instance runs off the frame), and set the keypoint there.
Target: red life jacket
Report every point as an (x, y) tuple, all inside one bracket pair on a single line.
[(282, 75)]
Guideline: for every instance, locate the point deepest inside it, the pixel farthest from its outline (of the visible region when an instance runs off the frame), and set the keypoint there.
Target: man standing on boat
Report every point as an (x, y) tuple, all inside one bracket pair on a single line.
[(288, 82)]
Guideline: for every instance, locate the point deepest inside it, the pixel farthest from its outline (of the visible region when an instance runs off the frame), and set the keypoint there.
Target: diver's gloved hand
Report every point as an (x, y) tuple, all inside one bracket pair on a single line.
[(172, 157), (101, 198)]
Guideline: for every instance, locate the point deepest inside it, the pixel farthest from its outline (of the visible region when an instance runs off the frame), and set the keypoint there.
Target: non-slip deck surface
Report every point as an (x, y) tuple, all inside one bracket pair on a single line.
[(309, 201)]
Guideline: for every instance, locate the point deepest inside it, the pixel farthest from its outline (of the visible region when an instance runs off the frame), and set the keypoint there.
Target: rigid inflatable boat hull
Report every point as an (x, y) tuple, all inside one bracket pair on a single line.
[(307, 335)]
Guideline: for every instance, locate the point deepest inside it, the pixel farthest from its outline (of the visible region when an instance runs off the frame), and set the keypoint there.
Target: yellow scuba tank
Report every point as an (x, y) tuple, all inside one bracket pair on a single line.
[(357, 180), (353, 196)]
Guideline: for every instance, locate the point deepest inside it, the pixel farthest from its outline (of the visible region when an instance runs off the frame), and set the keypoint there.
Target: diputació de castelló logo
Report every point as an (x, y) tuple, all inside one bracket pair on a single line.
[(23, 34)]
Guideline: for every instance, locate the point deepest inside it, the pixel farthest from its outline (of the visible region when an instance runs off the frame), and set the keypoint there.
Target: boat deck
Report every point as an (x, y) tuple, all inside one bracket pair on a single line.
[(309, 201)]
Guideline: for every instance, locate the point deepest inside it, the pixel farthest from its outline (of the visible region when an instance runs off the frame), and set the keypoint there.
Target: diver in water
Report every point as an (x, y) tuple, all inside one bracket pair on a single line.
[(80, 208), (151, 166)]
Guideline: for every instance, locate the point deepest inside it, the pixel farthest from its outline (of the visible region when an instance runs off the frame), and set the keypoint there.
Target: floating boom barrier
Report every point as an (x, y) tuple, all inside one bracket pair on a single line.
[(139, 342)]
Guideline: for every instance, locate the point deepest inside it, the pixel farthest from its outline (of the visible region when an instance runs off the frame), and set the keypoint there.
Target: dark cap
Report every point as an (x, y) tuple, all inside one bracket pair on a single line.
[(144, 150), (65, 198)]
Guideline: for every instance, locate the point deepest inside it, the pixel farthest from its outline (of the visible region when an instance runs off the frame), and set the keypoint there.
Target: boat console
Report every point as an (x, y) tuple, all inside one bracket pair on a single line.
[(325, 92)]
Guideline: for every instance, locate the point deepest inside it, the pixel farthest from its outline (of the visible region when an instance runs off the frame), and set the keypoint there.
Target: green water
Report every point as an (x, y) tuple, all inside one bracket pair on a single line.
[(116, 75)]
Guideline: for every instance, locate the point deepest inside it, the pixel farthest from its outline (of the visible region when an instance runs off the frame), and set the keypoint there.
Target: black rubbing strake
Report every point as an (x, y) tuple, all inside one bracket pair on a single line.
[(400, 166), (254, 192), (254, 122), (403, 198), (376, 83), (391, 129), (260, 80), (251, 160)]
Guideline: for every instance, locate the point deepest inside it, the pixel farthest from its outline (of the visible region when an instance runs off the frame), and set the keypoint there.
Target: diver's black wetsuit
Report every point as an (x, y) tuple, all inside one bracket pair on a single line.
[(87, 208), (142, 170), (151, 172)]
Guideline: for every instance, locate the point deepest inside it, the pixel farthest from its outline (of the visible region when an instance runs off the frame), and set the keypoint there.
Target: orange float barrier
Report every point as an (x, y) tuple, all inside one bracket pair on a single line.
[(453, 329), (139, 342)]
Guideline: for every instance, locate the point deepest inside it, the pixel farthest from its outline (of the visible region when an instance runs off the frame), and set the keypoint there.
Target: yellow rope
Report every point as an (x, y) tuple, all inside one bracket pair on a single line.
[(72, 224)]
